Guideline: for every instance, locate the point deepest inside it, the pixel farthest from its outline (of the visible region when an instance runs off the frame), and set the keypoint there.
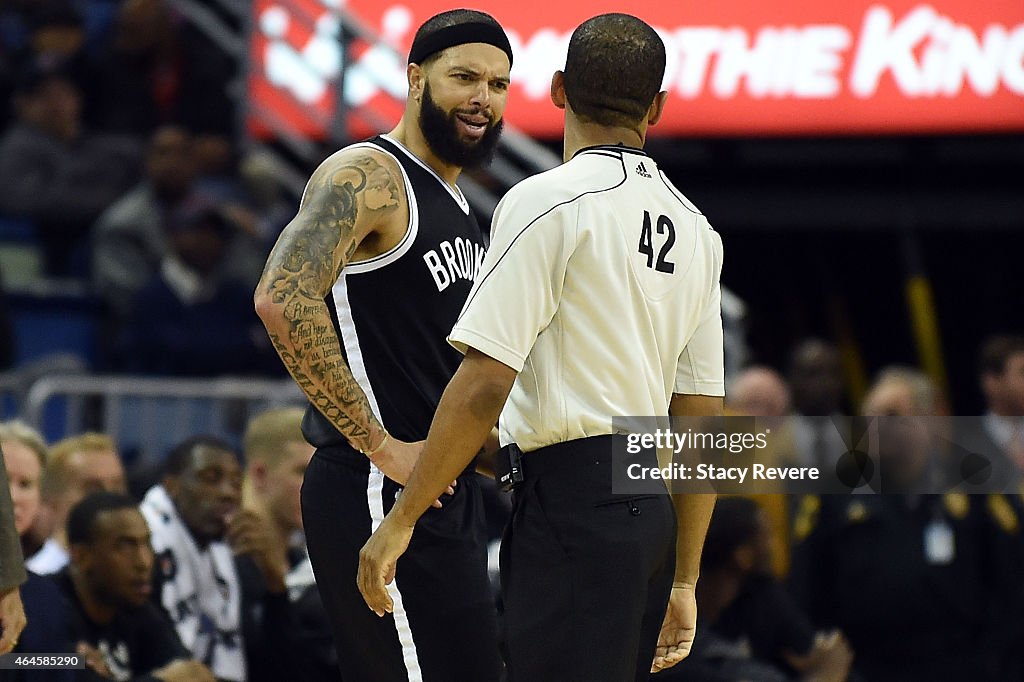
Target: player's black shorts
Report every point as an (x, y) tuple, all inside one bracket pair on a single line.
[(443, 628)]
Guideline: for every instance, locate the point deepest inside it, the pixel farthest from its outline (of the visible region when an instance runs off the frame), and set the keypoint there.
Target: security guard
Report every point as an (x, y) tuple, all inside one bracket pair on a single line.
[(922, 585)]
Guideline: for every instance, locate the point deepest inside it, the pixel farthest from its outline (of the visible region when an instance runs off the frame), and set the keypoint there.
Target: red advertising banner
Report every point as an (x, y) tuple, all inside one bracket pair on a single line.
[(734, 67)]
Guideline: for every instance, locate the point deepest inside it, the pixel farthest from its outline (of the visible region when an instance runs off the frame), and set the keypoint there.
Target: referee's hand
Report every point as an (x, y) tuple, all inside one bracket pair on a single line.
[(377, 561), (676, 636)]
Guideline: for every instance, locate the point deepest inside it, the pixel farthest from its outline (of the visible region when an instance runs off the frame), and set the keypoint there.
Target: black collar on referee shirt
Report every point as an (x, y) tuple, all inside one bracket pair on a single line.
[(617, 148)]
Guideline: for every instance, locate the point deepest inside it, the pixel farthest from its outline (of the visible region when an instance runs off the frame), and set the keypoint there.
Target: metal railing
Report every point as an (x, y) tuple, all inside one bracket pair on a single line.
[(147, 416)]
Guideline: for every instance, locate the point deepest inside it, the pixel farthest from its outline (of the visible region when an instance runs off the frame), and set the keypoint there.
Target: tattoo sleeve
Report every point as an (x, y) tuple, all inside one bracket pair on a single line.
[(345, 199)]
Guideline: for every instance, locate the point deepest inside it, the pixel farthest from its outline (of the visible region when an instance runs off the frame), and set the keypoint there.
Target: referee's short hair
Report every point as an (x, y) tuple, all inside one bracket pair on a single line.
[(614, 69)]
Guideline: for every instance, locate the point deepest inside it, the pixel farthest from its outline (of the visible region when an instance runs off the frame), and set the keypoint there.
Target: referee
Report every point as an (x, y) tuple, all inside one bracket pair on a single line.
[(598, 297)]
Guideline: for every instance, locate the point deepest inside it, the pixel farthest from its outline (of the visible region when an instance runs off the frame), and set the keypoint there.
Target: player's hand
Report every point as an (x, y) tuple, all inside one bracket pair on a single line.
[(678, 630), (377, 561), (397, 460), (12, 619), (94, 659), (184, 671), (250, 534)]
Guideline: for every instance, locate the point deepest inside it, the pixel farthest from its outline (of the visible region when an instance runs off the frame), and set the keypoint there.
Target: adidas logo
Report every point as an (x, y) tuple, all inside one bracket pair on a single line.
[(641, 170)]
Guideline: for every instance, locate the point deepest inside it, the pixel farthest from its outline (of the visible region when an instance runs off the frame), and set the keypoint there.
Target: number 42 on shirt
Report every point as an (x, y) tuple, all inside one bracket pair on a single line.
[(664, 227)]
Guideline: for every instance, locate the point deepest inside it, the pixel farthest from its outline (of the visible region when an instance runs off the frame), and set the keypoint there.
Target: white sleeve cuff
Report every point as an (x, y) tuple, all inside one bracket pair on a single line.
[(462, 339)]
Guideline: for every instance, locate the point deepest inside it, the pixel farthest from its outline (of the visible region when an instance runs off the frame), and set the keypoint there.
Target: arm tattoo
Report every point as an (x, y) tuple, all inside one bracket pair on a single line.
[(304, 265)]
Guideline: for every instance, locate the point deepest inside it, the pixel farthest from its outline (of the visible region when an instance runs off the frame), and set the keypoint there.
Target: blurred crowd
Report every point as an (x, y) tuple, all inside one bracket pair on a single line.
[(198, 570), (906, 586), (118, 149), (198, 573)]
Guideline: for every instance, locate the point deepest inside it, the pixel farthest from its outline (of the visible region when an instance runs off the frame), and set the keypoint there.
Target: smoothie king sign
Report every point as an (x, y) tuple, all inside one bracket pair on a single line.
[(734, 67)]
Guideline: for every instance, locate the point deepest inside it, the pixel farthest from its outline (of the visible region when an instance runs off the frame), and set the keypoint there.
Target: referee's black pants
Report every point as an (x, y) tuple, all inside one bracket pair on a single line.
[(585, 574), (444, 627)]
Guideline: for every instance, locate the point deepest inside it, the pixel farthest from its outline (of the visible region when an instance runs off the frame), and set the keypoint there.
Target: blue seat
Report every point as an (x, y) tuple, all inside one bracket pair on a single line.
[(46, 324), (16, 230)]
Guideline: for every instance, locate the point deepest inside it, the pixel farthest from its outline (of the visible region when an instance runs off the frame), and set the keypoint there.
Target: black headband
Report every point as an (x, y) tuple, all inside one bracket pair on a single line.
[(459, 34)]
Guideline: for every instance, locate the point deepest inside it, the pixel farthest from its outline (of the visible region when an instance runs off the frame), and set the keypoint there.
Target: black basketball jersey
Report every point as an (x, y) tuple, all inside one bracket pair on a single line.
[(393, 313)]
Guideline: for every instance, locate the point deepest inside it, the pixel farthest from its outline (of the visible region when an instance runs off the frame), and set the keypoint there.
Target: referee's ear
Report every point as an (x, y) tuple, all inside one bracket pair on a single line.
[(558, 89), (657, 108)]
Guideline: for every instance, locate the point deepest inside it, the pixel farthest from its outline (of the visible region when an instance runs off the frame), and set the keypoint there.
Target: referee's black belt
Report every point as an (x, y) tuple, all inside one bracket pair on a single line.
[(585, 462)]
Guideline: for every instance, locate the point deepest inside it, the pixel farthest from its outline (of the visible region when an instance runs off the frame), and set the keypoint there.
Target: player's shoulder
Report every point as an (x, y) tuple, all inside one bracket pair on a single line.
[(361, 164), (359, 155)]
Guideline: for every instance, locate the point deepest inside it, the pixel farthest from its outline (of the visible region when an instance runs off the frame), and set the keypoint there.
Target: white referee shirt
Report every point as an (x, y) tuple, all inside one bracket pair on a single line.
[(601, 288)]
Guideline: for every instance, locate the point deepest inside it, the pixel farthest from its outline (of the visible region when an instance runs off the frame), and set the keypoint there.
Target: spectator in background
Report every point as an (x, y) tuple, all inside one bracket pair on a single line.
[(220, 577), (901, 392), (1000, 434), (25, 453), (265, 197), (157, 70), (53, 29), (758, 392), (751, 628), (24, 456), (816, 384), (816, 378), (57, 33), (1001, 366), (78, 465), (924, 585), (55, 173), (192, 319), (276, 455), (912, 453), (217, 167), (120, 632), (762, 392), (128, 239), (139, 75), (50, 30), (218, 179)]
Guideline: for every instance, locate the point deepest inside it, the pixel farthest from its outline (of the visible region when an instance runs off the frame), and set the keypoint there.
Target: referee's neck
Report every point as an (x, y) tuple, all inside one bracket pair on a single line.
[(581, 134)]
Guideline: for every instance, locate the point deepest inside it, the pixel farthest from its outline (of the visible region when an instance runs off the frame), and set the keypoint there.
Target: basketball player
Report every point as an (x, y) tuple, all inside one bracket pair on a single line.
[(599, 297), (358, 296)]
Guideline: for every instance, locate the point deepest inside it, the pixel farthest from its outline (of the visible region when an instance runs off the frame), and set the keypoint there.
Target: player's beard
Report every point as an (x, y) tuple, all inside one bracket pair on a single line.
[(442, 135)]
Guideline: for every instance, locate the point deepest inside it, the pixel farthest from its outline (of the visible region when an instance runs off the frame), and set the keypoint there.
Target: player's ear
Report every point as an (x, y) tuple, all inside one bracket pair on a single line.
[(558, 89), (417, 79), (657, 108)]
